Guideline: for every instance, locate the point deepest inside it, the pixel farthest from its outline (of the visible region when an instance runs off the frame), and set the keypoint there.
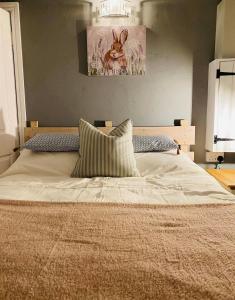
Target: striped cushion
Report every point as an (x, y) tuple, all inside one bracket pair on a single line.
[(103, 155)]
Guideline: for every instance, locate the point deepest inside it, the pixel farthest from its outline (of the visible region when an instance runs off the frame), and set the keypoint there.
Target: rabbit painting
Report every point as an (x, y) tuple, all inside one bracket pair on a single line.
[(116, 50)]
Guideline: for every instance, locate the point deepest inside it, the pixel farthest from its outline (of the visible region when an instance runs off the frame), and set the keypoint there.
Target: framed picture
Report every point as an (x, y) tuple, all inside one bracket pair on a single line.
[(116, 50)]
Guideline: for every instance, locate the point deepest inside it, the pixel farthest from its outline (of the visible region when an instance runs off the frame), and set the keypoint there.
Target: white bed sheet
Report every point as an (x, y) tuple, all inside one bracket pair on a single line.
[(166, 178)]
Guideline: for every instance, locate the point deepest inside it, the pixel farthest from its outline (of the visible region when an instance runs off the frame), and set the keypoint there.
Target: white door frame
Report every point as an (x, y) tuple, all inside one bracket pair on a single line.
[(13, 9)]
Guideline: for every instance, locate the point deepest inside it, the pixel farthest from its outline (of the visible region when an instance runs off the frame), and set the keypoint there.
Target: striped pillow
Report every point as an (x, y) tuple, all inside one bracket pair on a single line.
[(103, 155)]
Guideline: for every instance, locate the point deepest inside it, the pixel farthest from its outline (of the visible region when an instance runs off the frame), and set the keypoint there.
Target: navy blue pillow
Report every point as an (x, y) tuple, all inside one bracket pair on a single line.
[(53, 142), (158, 143), (67, 142)]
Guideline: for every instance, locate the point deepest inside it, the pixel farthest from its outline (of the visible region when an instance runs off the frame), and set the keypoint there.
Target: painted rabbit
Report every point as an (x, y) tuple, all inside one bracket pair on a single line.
[(115, 59)]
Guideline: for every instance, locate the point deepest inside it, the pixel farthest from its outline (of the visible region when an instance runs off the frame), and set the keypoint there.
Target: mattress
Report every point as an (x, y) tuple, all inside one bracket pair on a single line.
[(166, 178)]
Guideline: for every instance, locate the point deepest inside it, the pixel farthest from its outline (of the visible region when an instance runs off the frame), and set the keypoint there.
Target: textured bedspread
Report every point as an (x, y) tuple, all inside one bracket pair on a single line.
[(116, 251)]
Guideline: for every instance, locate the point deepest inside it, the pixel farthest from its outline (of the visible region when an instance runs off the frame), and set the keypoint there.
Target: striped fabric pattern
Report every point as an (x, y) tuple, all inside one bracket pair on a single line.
[(102, 155)]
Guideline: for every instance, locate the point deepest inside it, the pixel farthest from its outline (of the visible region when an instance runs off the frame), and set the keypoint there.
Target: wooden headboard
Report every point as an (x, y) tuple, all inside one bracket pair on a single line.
[(184, 135)]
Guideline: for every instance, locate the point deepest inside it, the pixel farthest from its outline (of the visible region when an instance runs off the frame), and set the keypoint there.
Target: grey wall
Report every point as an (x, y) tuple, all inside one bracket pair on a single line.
[(180, 45)]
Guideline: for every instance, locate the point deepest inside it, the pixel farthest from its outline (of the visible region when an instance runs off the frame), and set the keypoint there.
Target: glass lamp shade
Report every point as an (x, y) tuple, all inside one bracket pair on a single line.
[(114, 8)]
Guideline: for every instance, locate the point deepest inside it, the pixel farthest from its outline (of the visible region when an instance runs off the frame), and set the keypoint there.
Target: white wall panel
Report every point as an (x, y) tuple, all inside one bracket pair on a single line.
[(8, 107)]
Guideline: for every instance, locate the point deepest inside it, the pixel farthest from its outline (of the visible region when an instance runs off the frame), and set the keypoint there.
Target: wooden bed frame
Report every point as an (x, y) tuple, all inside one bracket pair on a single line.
[(183, 135)]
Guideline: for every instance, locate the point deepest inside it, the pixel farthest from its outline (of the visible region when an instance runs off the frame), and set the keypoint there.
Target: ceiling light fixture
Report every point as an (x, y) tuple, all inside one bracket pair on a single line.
[(114, 8)]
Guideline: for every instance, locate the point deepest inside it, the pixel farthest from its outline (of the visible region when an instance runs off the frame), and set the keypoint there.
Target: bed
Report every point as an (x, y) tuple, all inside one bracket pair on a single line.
[(169, 234)]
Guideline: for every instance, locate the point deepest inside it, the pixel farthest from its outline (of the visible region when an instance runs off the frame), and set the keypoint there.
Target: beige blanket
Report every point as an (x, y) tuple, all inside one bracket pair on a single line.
[(116, 251)]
